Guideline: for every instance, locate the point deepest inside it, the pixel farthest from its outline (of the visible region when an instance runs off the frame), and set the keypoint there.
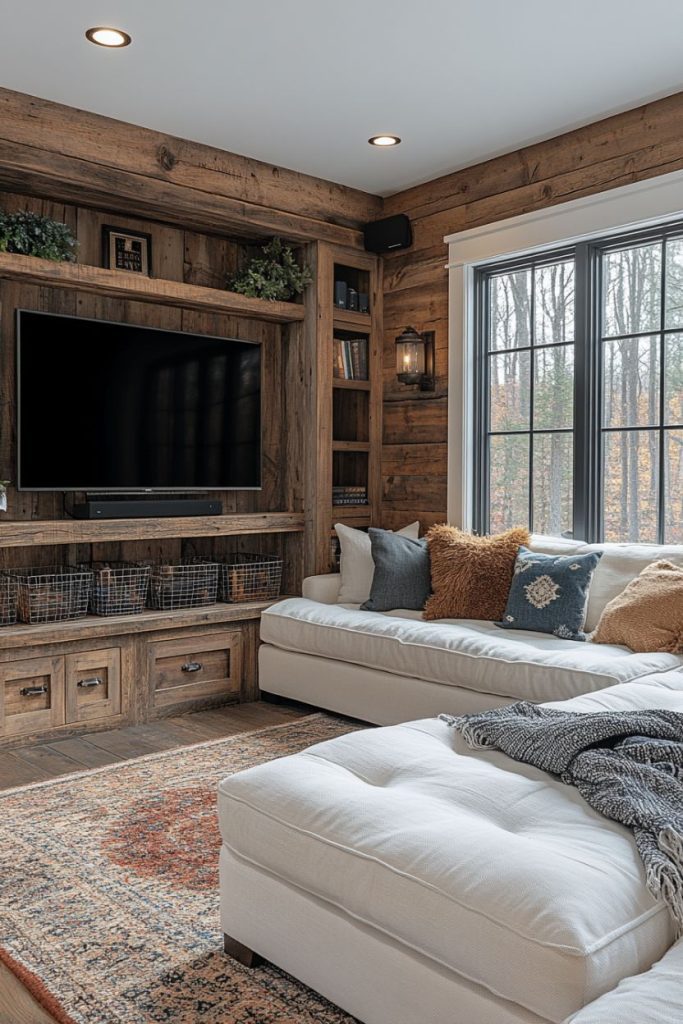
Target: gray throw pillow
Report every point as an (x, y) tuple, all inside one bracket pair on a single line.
[(401, 578)]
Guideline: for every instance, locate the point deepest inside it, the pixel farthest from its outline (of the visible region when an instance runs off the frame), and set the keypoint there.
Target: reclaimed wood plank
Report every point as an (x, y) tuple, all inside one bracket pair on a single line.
[(93, 627), (120, 147), (118, 284), (91, 531)]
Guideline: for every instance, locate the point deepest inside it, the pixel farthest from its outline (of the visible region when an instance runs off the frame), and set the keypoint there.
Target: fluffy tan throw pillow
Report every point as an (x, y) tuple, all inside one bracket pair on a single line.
[(471, 576), (648, 614)]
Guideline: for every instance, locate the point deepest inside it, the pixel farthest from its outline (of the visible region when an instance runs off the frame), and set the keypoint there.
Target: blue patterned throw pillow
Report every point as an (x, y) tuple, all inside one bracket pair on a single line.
[(549, 593)]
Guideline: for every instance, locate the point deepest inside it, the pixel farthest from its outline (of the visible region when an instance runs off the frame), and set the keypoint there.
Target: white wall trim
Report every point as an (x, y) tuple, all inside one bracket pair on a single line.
[(654, 201)]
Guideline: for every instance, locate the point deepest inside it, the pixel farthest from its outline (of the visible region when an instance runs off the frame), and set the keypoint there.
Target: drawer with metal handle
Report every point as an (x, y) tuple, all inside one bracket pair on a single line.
[(196, 667), (93, 685), (32, 696)]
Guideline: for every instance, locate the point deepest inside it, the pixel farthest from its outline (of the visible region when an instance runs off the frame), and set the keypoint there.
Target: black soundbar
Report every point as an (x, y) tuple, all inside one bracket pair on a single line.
[(145, 508)]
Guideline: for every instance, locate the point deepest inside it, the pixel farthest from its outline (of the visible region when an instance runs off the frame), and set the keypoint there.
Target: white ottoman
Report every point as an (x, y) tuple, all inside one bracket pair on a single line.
[(411, 881)]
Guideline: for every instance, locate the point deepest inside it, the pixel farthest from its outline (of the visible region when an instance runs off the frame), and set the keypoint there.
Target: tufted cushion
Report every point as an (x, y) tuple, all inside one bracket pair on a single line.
[(476, 655), (491, 868)]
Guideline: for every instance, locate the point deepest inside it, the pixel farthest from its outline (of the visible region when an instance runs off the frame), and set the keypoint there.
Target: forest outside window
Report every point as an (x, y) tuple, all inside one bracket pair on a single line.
[(579, 391)]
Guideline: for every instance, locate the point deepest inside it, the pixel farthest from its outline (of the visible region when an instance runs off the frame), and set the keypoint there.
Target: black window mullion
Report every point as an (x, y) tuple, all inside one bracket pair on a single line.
[(661, 481), (586, 437), (532, 337), (482, 392)]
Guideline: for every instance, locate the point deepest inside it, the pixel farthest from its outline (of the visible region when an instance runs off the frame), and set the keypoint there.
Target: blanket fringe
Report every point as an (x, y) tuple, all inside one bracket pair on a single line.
[(665, 881), (473, 734)]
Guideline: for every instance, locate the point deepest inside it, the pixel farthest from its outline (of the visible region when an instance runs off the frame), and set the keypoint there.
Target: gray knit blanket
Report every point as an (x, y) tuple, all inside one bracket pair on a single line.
[(628, 765)]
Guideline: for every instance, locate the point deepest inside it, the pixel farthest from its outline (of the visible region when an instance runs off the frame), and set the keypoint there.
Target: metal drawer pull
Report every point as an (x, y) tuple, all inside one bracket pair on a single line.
[(192, 666), (87, 684), (33, 691)]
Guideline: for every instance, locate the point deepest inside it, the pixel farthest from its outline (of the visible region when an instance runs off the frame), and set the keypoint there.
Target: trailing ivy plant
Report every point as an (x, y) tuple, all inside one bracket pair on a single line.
[(274, 275), (34, 235)]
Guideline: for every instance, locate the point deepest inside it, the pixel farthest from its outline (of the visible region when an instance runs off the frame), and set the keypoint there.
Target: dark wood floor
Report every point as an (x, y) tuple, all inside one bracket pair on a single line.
[(38, 762), (41, 761)]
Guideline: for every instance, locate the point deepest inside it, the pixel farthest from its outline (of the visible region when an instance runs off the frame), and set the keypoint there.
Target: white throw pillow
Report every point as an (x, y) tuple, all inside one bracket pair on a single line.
[(357, 567)]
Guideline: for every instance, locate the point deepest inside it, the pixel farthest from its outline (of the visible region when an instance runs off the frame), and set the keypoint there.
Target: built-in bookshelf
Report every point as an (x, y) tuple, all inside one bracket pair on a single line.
[(348, 403), (350, 355)]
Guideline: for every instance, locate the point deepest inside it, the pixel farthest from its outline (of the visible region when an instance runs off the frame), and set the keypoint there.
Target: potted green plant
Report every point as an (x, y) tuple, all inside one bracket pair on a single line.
[(274, 274), (31, 234)]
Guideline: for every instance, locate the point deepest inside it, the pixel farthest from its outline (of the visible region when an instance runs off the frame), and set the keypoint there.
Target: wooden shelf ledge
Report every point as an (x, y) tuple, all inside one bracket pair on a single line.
[(118, 284), (350, 320), (24, 533), (351, 385), (351, 511), (350, 446), (93, 626)]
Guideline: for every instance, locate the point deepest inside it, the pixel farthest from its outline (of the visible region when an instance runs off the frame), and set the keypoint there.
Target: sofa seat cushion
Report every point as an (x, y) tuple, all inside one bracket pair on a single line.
[(488, 867), (655, 997), (476, 655)]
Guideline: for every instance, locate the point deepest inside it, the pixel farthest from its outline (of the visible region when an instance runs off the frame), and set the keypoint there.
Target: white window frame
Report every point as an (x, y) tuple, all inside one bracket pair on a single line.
[(624, 209)]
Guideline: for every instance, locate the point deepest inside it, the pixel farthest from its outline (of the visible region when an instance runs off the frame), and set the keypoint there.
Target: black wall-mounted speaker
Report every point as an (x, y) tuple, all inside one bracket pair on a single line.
[(388, 234)]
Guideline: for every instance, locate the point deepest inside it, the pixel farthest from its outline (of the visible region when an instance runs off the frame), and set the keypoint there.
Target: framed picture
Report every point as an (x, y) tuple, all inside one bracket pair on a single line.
[(127, 250)]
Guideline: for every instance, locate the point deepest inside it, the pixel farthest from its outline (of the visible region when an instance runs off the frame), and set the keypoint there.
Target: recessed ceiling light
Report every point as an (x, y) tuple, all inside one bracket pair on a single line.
[(112, 37), (384, 140)]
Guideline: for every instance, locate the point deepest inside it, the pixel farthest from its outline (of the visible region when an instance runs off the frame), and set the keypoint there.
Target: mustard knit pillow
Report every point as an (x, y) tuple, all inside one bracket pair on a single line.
[(648, 614), (471, 576)]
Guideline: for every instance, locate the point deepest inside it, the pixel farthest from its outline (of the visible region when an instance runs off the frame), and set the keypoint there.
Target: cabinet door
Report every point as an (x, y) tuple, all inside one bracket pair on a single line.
[(191, 668), (31, 696), (93, 685)]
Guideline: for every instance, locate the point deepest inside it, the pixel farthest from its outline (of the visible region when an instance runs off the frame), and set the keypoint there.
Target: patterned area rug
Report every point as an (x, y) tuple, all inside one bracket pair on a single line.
[(108, 884)]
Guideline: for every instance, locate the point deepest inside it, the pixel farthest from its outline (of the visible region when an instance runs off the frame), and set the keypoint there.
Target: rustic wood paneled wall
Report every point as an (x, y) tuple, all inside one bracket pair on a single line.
[(641, 143), (83, 167), (202, 206), (72, 156), (177, 255)]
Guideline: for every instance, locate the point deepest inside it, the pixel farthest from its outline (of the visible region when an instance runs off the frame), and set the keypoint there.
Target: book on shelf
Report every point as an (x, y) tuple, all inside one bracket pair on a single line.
[(350, 358), (343, 495)]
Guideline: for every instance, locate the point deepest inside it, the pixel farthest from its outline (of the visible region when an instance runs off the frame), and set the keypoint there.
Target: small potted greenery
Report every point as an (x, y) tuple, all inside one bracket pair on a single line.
[(274, 274), (31, 234)]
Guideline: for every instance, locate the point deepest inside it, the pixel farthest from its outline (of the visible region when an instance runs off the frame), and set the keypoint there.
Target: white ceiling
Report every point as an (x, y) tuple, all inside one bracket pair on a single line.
[(304, 83)]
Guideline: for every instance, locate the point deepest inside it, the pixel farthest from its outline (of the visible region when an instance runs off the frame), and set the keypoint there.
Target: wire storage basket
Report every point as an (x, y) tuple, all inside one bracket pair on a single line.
[(52, 593), (119, 588), (251, 577), (8, 600), (183, 585)]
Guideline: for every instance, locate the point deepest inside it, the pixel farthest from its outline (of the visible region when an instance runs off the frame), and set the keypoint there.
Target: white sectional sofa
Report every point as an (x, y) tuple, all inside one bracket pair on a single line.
[(412, 880), (394, 667)]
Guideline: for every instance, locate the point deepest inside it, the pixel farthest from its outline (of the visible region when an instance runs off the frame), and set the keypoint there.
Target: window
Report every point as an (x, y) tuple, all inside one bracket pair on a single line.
[(579, 391)]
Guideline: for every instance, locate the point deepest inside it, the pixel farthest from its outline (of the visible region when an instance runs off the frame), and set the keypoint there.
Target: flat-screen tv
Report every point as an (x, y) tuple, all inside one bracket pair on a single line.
[(111, 407)]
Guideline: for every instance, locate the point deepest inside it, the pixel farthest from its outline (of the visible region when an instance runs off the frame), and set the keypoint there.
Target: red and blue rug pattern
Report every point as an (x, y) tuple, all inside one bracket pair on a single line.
[(109, 891)]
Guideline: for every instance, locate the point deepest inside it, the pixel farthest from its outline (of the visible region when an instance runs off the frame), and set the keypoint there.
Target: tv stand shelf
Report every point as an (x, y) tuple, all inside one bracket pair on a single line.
[(139, 668), (93, 627), (30, 532), (117, 284)]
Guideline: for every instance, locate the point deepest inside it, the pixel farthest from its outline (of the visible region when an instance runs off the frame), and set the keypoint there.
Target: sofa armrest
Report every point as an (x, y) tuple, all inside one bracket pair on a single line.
[(655, 997), (322, 588)]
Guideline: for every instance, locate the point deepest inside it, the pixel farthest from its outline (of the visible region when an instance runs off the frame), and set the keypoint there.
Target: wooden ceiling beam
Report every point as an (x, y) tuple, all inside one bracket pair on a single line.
[(74, 156)]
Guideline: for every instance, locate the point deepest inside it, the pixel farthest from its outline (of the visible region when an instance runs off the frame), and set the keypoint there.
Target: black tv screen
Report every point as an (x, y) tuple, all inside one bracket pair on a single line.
[(111, 407)]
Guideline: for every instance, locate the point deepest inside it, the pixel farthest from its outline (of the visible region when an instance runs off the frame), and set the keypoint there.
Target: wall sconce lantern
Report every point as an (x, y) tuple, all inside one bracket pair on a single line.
[(415, 358)]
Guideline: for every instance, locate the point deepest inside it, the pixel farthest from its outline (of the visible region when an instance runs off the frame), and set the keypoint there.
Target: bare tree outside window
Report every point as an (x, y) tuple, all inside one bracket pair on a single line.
[(530, 370), (626, 366), (642, 371)]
